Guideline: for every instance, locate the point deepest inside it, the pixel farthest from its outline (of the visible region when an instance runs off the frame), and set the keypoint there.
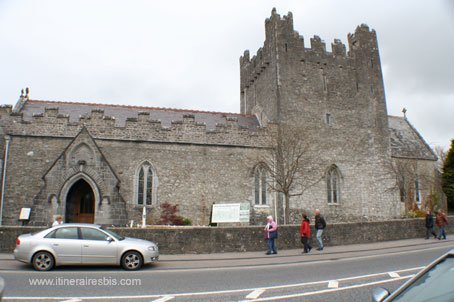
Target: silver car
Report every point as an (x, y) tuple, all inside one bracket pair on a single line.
[(83, 244), (434, 283)]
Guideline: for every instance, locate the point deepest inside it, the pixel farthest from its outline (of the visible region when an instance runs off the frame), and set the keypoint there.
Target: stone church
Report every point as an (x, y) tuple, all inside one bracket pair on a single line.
[(103, 163)]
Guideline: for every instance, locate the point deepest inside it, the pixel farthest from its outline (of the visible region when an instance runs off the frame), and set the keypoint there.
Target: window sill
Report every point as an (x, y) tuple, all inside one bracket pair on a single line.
[(263, 206), (140, 206)]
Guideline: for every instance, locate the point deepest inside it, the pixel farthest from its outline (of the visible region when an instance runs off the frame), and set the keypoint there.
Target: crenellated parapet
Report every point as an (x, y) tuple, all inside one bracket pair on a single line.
[(5, 109), (51, 123), (284, 44)]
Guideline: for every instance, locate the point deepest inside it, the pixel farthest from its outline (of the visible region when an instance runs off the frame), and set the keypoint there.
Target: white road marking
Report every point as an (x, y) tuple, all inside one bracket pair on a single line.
[(255, 294), (333, 284), (164, 299), (393, 275), (72, 300), (130, 297), (325, 291)]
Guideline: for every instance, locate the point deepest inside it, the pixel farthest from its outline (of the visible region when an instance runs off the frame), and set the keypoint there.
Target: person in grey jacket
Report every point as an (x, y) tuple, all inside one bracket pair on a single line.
[(320, 225)]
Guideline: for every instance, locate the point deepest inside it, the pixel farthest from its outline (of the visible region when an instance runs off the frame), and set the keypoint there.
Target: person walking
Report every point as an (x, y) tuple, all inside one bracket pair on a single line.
[(271, 235), (441, 221), (305, 232), (430, 225), (320, 225)]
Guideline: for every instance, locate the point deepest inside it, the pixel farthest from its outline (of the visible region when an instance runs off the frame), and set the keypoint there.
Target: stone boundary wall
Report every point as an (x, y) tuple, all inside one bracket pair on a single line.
[(194, 240)]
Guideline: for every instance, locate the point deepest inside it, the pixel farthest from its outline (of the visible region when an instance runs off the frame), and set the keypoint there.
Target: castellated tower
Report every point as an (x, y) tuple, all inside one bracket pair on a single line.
[(337, 98)]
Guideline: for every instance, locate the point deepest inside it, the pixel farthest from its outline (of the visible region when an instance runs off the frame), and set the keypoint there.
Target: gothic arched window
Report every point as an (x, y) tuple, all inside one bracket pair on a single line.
[(333, 185), (260, 185), (145, 183)]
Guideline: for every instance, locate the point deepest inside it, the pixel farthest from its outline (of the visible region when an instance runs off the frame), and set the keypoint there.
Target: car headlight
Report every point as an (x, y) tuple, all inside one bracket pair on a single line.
[(153, 248)]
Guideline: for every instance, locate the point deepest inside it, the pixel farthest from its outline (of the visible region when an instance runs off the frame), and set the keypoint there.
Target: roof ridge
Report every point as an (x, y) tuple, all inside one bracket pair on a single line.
[(421, 138), (396, 116), (141, 107)]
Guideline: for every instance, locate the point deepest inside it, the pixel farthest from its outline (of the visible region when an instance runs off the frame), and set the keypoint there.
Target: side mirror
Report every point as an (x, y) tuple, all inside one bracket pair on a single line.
[(109, 239), (379, 294)]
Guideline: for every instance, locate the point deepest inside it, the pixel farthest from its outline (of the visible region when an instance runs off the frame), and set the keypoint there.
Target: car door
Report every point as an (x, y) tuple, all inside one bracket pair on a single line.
[(65, 243), (98, 247)]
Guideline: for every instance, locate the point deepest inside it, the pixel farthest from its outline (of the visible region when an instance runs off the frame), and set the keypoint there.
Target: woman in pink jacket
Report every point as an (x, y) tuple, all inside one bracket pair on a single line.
[(271, 235)]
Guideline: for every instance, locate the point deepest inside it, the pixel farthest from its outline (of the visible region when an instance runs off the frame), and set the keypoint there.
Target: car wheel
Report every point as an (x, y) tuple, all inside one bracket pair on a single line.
[(43, 261), (131, 261)]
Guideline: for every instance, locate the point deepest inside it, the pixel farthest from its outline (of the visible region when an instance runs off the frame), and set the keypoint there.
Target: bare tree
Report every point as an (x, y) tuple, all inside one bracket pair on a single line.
[(441, 155), (410, 180), (290, 165)]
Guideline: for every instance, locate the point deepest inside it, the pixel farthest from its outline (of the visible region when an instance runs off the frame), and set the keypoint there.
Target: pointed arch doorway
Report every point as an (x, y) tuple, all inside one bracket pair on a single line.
[(80, 203)]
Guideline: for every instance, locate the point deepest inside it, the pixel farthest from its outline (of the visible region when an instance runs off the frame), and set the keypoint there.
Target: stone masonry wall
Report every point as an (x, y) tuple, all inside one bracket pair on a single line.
[(174, 240), (194, 167), (193, 177)]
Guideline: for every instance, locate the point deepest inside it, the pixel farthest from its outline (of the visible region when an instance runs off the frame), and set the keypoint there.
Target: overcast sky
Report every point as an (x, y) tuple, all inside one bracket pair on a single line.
[(185, 53)]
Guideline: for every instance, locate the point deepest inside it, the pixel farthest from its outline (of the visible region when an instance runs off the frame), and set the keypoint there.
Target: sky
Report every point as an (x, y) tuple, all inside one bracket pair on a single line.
[(185, 53)]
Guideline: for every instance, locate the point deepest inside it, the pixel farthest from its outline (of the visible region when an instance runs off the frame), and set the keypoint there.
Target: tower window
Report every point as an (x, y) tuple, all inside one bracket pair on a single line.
[(333, 185), (328, 119), (324, 82)]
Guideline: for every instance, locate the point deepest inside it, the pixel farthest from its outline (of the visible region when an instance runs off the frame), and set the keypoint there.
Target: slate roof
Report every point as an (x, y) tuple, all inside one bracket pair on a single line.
[(406, 142), (122, 112)]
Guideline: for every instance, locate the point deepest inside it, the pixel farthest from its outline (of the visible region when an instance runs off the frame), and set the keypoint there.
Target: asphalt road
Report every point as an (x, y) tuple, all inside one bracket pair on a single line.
[(336, 275)]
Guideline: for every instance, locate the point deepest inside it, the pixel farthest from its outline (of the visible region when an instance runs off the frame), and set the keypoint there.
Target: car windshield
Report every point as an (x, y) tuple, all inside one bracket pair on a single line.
[(435, 285), (113, 234)]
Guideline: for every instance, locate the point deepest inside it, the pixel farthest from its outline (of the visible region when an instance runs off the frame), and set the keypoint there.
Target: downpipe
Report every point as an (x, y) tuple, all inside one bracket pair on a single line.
[(5, 164)]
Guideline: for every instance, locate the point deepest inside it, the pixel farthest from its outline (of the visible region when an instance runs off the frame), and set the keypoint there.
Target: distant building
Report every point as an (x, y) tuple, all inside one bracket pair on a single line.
[(102, 163)]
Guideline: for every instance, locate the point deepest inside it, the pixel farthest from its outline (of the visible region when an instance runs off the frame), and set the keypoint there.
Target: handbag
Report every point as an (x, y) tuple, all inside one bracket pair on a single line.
[(273, 235)]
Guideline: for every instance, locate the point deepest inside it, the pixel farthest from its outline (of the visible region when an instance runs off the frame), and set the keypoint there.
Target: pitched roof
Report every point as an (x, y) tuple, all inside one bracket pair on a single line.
[(406, 142), (76, 110)]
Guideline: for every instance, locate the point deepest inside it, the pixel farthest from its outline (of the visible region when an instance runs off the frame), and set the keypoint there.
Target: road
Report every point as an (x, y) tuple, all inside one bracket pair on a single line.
[(347, 273)]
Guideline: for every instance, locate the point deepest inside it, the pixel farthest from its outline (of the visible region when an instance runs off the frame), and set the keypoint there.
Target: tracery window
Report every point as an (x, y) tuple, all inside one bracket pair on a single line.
[(417, 193), (145, 183), (260, 185), (333, 185)]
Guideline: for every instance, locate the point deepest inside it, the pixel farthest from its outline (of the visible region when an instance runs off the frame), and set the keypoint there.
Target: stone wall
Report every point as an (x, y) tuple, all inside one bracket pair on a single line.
[(193, 240)]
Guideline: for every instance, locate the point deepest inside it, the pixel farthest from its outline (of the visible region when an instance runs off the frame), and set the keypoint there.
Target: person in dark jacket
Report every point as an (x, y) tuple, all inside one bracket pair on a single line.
[(430, 225), (442, 221), (305, 231), (320, 225)]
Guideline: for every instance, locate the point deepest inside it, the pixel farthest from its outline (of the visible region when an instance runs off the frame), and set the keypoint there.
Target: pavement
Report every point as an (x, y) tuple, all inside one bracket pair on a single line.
[(329, 253), (328, 250)]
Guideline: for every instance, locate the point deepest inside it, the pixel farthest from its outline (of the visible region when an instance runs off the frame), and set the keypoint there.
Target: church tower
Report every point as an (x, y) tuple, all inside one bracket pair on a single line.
[(337, 98)]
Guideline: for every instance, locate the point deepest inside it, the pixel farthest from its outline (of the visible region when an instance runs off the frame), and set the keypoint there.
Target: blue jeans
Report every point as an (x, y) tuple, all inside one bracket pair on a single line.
[(271, 246), (319, 238), (442, 233)]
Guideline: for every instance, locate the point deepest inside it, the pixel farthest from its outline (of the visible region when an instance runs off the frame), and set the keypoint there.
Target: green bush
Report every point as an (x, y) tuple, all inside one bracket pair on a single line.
[(187, 221)]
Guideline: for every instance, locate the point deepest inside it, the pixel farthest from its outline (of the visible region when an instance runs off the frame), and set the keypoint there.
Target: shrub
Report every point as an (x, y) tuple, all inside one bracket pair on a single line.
[(169, 215), (187, 221)]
